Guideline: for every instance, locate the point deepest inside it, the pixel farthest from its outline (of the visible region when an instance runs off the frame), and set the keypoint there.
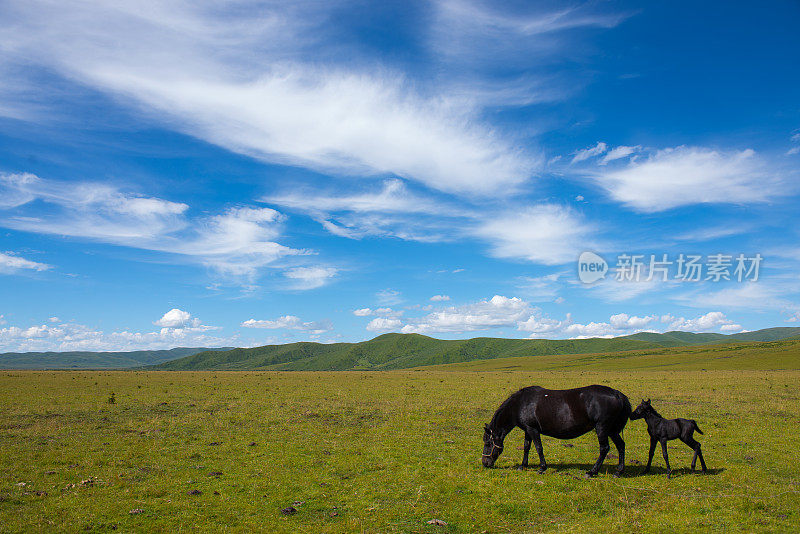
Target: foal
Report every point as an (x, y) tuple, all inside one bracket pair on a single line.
[(663, 430)]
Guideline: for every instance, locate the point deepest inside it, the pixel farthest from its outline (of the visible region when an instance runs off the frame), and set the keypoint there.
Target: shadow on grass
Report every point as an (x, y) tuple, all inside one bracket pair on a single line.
[(630, 470)]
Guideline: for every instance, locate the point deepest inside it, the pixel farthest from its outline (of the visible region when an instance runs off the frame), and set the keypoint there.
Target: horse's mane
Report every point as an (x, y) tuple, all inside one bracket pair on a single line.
[(506, 404), (653, 411)]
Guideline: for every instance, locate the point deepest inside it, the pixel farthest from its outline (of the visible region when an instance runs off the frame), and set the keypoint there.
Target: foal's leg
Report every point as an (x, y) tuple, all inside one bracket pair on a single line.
[(620, 445), (698, 453), (650, 457), (666, 457), (695, 445), (602, 439)]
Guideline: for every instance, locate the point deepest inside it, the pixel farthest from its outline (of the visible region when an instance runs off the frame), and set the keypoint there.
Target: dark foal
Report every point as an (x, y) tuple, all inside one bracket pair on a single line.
[(663, 430)]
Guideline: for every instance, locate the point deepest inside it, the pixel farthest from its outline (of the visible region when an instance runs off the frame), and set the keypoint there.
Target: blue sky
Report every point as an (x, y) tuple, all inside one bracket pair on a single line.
[(198, 175)]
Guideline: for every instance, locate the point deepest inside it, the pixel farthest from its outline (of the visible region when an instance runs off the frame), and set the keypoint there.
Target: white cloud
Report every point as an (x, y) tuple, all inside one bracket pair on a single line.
[(2, 319), (578, 331), (540, 325), (10, 263), (290, 322), (544, 287), (384, 312), (470, 38), (619, 153), (176, 318), (389, 297), (499, 311), (78, 337), (586, 153), (310, 277), (439, 298), (623, 321), (684, 175), (545, 234), (750, 296), (236, 244), (234, 78), (704, 323), (392, 211), (384, 324)]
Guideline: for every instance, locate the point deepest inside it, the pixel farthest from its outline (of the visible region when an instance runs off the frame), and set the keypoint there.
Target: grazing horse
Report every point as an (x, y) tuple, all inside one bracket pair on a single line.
[(663, 430), (562, 414)]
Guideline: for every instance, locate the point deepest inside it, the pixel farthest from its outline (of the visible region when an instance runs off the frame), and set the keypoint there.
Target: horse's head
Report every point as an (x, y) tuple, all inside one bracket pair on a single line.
[(492, 446), (640, 410)]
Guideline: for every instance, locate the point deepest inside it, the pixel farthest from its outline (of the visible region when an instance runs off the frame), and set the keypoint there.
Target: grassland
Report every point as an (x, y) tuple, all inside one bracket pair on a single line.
[(389, 451)]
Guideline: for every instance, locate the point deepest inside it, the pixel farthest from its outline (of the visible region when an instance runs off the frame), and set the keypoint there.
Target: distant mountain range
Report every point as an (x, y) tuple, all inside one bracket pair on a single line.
[(402, 351), (95, 360), (389, 351)]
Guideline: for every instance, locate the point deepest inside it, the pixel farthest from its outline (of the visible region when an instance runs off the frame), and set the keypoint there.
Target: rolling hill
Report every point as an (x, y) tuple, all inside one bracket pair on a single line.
[(402, 351), (94, 360)]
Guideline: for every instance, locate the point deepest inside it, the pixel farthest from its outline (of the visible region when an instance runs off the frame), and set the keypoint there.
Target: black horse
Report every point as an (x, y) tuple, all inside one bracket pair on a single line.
[(562, 414), (663, 430)]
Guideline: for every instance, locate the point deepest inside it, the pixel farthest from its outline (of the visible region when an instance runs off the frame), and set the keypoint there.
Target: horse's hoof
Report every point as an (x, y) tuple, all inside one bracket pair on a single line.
[(522, 467), (542, 470), (617, 474), (590, 474)]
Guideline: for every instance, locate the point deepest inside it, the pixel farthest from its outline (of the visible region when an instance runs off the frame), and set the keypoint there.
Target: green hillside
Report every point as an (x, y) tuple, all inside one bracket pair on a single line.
[(401, 351), (739, 356), (94, 360)]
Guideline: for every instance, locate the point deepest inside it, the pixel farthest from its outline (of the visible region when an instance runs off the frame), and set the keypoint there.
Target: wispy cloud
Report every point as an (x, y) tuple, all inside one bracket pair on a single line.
[(235, 78), (547, 234), (682, 176), (290, 322), (11, 263), (310, 277), (236, 244), (391, 211), (591, 152)]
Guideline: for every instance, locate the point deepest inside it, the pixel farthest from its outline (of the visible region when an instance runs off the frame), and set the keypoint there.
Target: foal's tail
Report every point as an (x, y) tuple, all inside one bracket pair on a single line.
[(696, 427)]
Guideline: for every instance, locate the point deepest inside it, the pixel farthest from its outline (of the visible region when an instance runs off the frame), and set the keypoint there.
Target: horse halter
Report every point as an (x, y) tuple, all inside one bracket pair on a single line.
[(494, 446)]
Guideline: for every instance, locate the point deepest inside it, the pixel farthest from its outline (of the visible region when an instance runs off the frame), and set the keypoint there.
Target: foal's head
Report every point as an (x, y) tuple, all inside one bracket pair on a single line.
[(640, 411), (492, 446)]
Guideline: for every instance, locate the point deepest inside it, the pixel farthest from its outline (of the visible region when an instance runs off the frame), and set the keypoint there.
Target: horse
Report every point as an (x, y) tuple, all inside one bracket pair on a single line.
[(562, 414), (663, 430)]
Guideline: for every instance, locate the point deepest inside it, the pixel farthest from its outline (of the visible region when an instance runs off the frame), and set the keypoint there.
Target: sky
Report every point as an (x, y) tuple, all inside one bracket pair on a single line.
[(248, 173)]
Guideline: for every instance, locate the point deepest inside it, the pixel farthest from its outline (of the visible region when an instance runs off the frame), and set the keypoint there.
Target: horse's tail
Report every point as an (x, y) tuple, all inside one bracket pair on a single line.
[(696, 427)]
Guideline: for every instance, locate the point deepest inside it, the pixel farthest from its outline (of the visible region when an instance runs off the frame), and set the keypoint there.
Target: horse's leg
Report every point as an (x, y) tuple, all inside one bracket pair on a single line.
[(526, 450), (602, 439), (666, 457), (650, 457), (620, 445), (537, 441)]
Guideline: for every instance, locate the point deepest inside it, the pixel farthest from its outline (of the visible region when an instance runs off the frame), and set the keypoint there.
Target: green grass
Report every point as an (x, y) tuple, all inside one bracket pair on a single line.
[(388, 451)]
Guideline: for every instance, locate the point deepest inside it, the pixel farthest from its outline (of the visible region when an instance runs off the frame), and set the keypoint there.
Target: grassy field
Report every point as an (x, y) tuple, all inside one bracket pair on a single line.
[(389, 451)]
